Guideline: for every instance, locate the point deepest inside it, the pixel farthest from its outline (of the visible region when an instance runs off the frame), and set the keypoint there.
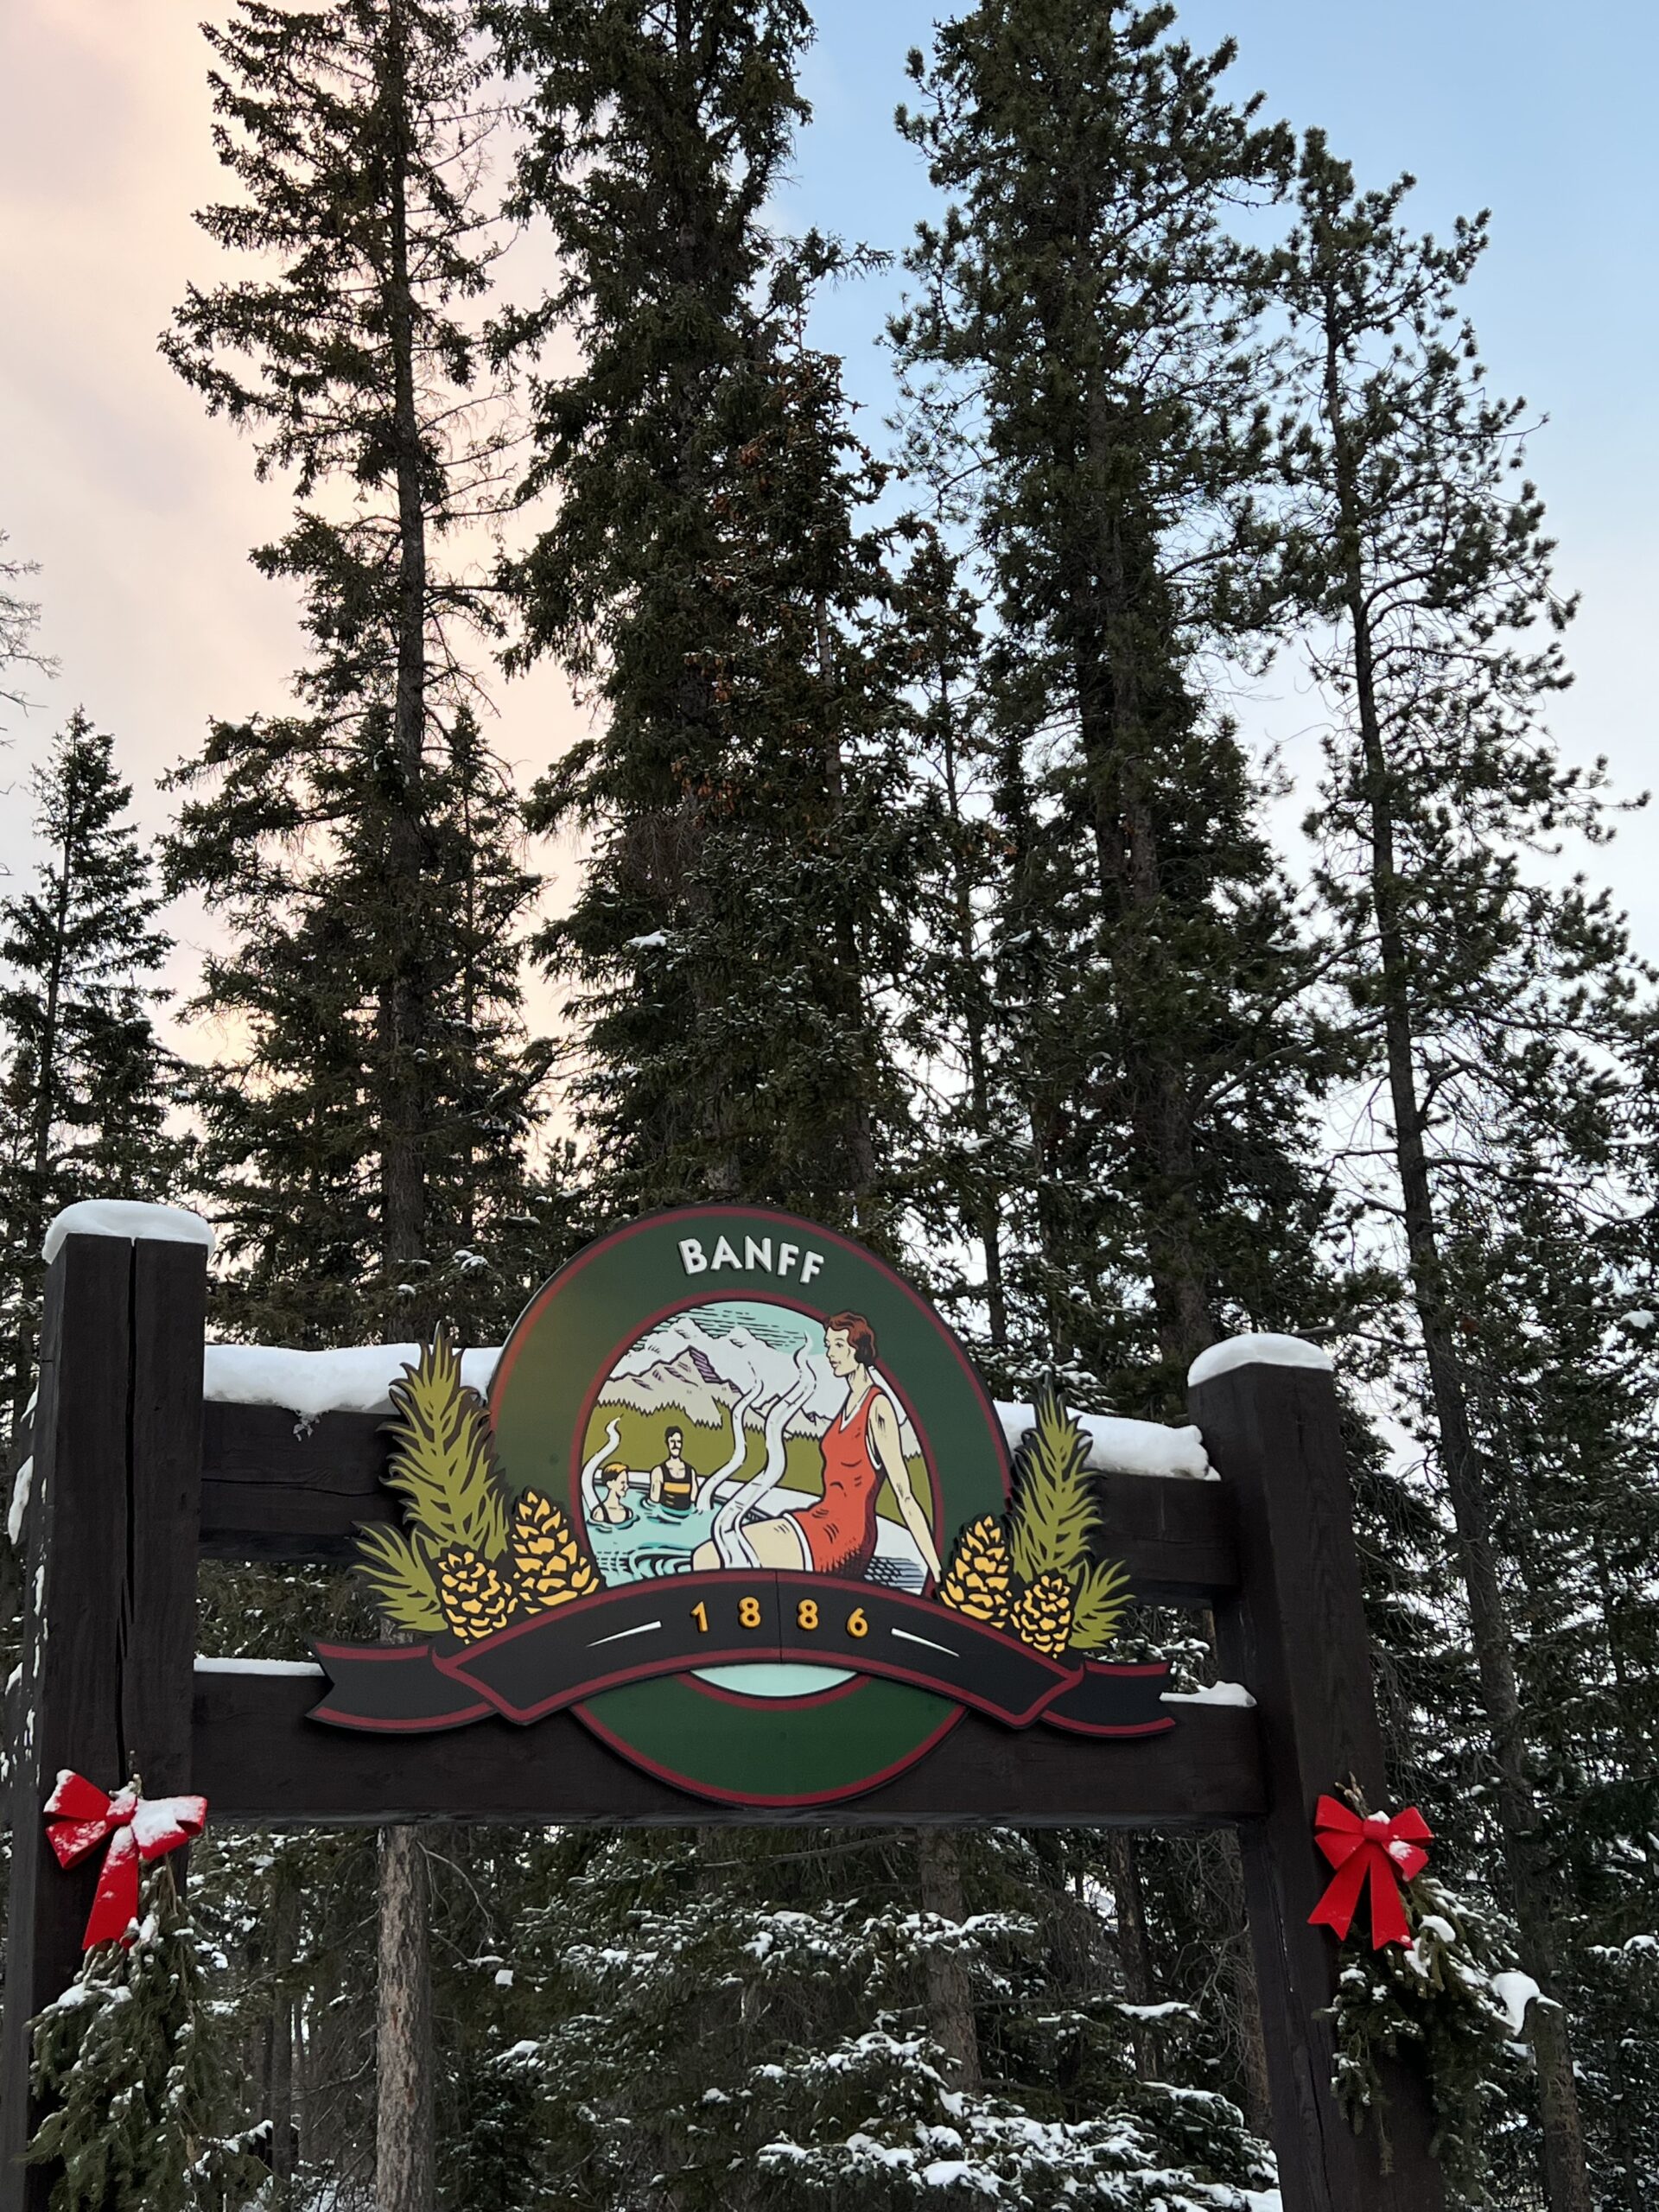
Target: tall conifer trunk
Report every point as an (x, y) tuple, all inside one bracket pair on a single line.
[(406, 1044), (405, 2062), (1566, 2177), (279, 2072), (949, 1993), (403, 2151), (1126, 843), (983, 1220), (1133, 1944)]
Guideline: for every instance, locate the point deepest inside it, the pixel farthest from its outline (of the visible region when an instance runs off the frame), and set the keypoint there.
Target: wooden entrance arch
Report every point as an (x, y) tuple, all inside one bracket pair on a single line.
[(135, 1480)]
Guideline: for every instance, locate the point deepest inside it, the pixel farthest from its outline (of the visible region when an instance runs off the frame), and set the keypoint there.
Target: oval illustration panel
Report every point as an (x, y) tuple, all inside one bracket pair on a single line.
[(746, 1431), (720, 1389)]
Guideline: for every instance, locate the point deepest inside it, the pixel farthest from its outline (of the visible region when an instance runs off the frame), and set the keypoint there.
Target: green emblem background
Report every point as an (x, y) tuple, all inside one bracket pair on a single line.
[(710, 1741)]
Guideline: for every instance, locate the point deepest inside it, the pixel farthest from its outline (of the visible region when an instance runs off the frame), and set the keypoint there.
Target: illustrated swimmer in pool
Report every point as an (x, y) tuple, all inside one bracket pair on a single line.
[(835, 1535), (614, 1495), (673, 1484)]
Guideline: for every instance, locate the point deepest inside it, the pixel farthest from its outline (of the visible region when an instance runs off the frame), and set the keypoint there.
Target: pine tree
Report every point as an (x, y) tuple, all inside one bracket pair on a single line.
[(712, 578), (365, 848), (828, 2084), (1080, 321), (1081, 354), (1501, 1019), (86, 1084), (127, 2060)]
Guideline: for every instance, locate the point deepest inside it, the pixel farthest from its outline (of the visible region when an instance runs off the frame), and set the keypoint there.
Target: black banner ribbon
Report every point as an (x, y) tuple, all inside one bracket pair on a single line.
[(679, 1622)]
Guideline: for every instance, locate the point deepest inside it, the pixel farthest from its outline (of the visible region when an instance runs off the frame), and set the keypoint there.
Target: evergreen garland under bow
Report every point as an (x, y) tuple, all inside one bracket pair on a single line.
[(469, 1561), (1032, 1572), (1436, 1997), (125, 2064)]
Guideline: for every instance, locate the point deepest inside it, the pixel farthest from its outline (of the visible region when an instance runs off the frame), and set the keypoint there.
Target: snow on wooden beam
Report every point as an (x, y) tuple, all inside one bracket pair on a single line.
[(359, 1380)]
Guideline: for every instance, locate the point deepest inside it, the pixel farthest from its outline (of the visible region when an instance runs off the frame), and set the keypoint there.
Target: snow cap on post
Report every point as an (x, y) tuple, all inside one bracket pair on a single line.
[(1258, 1348), (129, 1218)]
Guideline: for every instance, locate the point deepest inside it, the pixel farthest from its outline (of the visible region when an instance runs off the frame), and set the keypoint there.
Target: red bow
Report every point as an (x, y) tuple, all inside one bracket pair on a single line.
[(81, 1816), (1376, 1846)]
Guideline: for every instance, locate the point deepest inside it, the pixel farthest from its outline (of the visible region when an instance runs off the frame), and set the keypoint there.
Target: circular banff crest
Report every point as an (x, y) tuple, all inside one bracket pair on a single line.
[(676, 1386), (740, 1503)]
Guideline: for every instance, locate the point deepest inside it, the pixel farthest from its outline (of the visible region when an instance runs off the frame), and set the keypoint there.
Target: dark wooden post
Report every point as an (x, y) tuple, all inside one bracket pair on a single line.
[(109, 1619), (1295, 1634)]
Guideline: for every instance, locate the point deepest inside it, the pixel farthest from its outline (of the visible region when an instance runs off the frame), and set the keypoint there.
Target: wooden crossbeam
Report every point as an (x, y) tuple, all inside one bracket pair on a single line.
[(258, 1759), (275, 1487)]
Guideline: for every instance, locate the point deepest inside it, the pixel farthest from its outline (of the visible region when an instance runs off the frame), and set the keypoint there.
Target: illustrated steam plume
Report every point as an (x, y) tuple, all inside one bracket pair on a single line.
[(740, 1438), (732, 1544), (590, 1472)]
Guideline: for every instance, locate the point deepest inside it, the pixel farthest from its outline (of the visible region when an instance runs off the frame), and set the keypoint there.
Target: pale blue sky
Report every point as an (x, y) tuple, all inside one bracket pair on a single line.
[(1484, 100), (1542, 114)]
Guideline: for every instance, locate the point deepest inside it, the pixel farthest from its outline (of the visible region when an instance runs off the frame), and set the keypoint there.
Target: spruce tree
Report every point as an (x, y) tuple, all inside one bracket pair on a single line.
[(1500, 1017), (366, 1145), (712, 578), (747, 916), (1080, 321), (1081, 354), (86, 1084), (828, 2082), (365, 848)]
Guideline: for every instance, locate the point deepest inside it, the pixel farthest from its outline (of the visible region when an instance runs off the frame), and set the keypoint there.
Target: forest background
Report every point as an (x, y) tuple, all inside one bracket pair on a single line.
[(1020, 830)]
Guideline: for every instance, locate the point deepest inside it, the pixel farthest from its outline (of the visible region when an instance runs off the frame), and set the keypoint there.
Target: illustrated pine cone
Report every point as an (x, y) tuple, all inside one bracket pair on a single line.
[(1043, 1617), (551, 1565), (476, 1600), (978, 1580)]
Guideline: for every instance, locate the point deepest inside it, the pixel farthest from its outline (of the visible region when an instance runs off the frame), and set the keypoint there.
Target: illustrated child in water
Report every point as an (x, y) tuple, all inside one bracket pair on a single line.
[(614, 1495), (835, 1535), (672, 1483)]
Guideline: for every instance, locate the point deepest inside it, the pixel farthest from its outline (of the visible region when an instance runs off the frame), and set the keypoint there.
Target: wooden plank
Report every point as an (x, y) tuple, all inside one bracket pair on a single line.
[(158, 1642), (260, 1760), (69, 1702), (1176, 1536), (277, 1488), (1296, 1634)]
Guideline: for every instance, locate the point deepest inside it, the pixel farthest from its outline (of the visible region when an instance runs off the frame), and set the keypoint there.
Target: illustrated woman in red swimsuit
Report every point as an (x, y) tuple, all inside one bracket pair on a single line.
[(835, 1535)]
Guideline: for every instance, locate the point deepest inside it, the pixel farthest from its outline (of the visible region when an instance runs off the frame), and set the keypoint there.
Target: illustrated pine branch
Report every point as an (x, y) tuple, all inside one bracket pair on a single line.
[(442, 1459), (1054, 1513), (400, 1578), (1100, 1598)]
